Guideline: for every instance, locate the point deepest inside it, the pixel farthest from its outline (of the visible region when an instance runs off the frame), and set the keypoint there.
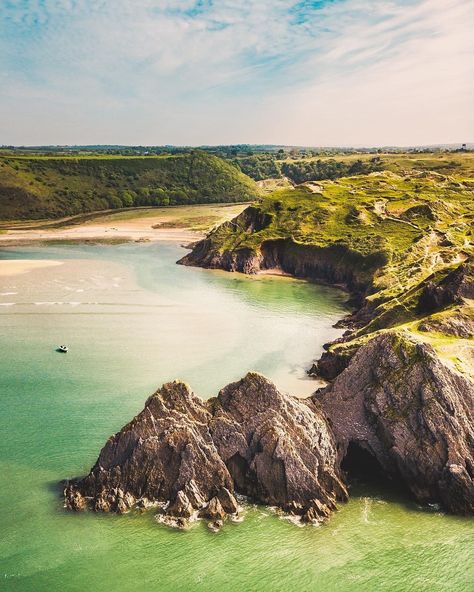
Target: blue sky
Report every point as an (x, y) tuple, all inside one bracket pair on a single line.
[(327, 72)]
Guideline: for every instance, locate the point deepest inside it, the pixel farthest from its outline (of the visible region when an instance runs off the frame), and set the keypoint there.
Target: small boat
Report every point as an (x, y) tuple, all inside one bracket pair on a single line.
[(63, 349)]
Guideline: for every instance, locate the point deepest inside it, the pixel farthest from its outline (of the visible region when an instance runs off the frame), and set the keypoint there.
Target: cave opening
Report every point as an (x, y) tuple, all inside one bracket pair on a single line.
[(366, 476), (361, 465)]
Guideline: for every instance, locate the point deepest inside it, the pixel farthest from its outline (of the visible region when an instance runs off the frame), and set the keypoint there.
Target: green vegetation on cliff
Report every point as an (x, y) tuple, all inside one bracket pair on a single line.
[(300, 169), (48, 187), (382, 215), (403, 241)]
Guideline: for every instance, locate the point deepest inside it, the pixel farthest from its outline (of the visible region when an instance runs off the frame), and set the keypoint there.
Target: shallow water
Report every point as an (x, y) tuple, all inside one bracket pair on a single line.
[(133, 319)]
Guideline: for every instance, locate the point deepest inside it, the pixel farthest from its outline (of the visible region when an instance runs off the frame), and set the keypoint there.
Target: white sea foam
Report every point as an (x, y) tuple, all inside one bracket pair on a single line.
[(47, 303), (7, 303), (8, 293)]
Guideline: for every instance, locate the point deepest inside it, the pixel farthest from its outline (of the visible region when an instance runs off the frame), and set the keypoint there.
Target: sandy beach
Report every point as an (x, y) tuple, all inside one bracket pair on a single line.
[(182, 224), (19, 266), (100, 233)]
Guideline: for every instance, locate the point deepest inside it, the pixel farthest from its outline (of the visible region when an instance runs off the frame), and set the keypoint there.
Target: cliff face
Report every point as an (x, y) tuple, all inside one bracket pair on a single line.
[(278, 449), (190, 457), (415, 415), (334, 264)]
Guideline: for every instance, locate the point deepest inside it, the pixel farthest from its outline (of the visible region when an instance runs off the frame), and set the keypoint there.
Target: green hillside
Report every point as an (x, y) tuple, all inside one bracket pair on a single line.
[(396, 241), (34, 187), (382, 215), (300, 169)]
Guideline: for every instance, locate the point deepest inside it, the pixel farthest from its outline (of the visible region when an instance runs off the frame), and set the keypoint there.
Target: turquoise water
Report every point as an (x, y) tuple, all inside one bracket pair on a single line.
[(133, 319)]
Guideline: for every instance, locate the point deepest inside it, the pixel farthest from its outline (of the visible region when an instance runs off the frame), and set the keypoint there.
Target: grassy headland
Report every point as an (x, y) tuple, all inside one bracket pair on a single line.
[(39, 186), (401, 240)]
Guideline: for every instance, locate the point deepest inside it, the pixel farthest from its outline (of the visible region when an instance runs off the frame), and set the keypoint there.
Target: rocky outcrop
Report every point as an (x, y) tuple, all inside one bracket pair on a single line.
[(396, 401), (164, 455), (457, 324), (452, 289), (278, 449), (334, 265), (190, 457), (333, 360), (400, 403), (393, 400), (203, 255)]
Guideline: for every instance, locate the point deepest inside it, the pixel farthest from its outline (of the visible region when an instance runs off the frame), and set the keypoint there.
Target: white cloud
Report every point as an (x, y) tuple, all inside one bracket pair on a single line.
[(356, 71)]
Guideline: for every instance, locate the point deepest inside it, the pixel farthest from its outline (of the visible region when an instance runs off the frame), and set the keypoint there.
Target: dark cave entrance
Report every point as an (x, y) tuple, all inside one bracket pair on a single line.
[(361, 465), (366, 476)]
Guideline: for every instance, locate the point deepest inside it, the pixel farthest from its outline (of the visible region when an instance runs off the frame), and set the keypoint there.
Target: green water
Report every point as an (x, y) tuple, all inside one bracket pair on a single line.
[(133, 319)]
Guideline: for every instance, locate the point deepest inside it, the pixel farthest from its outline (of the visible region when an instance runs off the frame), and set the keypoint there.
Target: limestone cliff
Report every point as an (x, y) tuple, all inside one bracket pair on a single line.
[(402, 388)]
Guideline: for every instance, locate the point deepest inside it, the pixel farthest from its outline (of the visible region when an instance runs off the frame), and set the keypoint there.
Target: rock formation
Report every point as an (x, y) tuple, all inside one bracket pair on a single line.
[(190, 457), (165, 454), (399, 402), (393, 397), (278, 449)]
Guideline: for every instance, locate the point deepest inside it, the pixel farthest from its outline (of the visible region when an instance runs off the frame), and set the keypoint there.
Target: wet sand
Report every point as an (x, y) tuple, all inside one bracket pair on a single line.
[(20, 266), (183, 224), (99, 233)]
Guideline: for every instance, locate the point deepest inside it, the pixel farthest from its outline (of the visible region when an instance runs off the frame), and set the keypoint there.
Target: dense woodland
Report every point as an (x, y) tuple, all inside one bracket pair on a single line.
[(41, 187), (262, 167)]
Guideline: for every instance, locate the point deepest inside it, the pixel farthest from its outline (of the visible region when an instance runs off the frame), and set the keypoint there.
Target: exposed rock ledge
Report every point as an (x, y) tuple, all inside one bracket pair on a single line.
[(396, 400)]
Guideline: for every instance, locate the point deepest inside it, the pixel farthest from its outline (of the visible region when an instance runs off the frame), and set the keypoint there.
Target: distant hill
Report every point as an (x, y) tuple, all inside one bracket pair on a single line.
[(300, 168), (38, 186)]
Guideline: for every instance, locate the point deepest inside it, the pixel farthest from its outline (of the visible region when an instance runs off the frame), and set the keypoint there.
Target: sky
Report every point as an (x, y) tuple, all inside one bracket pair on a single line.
[(195, 72)]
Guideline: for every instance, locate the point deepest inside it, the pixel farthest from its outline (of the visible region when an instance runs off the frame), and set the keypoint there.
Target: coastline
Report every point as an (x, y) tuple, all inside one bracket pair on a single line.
[(181, 224)]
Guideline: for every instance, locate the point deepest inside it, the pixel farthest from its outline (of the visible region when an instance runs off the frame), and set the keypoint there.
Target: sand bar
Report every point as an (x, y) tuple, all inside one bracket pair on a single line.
[(18, 266), (183, 224)]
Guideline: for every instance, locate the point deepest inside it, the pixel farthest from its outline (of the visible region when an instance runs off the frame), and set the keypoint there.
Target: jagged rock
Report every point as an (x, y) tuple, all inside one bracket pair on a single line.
[(455, 286), (144, 503), (193, 494), (101, 504), (331, 363), (214, 510), (191, 456), (228, 501), (277, 448), (181, 507), (164, 452), (74, 500), (215, 525), (317, 511), (415, 415), (456, 325), (396, 400)]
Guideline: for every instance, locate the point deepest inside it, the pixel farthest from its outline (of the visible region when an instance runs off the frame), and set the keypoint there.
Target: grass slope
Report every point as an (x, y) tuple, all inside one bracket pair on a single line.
[(34, 187), (397, 232)]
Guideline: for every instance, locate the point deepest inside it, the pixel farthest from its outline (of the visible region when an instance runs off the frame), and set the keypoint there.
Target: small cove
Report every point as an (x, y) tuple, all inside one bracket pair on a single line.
[(133, 320)]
